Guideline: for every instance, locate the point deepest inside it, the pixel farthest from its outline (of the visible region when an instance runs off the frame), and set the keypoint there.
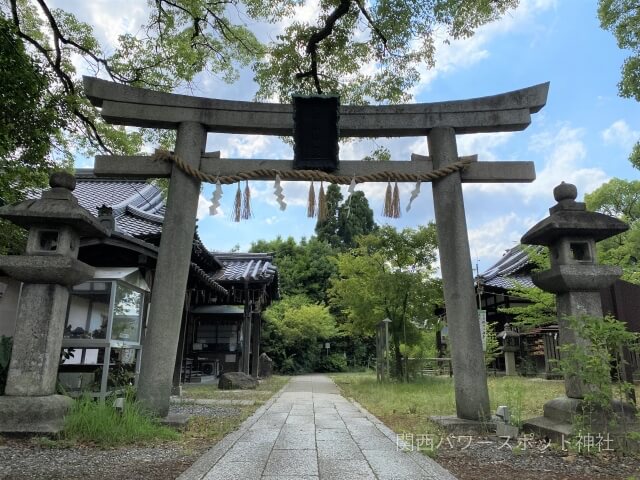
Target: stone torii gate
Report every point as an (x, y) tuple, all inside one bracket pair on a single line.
[(193, 117)]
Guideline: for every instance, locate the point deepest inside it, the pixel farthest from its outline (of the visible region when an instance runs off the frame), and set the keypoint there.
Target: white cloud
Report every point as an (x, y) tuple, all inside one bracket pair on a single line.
[(203, 207), (488, 242), (492, 240), (563, 154), (620, 134), (463, 53), (296, 194), (247, 146)]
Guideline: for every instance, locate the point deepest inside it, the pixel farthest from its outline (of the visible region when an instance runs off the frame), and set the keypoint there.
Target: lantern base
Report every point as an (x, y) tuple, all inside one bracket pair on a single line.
[(33, 414)]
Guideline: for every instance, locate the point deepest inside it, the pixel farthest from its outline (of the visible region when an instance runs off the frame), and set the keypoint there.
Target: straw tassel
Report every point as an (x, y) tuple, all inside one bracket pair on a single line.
[(322, 204), (311, 203), (246, 204), (237, 206), (388, 202), (395, 203)]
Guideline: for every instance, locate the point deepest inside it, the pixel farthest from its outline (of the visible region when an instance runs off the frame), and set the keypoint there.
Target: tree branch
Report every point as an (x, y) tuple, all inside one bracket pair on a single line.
[(373, 25), (312, 46)]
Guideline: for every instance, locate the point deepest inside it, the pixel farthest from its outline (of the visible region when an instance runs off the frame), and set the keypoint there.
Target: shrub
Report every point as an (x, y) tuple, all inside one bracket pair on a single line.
[(333, 363), (101, 424)]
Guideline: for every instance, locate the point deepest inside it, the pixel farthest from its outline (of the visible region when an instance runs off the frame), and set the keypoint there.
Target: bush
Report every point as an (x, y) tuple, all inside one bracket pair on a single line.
[(5, 357), (101, 424), (333, 363)]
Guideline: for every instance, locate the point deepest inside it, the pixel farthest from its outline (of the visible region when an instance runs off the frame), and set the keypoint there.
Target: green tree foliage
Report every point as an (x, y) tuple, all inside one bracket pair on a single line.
[(304, 268), (617, 198), (492, 347), (345, 221), (30, 118), (620, 199), (295, 330), (355, 218), (179, 40), (388, 275), (593, 362), (539, 307), (622, 18), (329, 53), (327, 230), (182, 38)]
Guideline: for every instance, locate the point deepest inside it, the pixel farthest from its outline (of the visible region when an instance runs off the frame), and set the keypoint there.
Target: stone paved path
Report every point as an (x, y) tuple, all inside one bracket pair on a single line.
[(309, 431)]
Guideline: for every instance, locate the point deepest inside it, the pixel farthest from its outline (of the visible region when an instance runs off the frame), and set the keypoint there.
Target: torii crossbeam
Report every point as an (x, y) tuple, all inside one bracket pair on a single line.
[(193, 117)]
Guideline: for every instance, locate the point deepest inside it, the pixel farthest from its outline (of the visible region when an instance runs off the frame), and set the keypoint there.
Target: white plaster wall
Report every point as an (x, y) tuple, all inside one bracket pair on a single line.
[(9, 306)]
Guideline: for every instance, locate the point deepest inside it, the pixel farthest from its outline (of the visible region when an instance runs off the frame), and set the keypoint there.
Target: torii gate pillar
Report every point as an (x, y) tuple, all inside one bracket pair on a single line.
[(172, 270), (469, 374)]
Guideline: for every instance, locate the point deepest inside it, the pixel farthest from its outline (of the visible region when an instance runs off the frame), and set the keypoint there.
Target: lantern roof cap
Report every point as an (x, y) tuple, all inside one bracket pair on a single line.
[(569, 218), (56, 207)]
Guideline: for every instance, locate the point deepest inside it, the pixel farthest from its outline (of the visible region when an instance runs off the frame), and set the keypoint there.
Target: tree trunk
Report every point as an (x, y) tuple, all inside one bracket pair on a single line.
[(396, 347)]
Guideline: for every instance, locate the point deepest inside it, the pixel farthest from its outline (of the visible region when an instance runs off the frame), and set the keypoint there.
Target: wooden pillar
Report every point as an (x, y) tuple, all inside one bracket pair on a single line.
[(255, 343), (172, 270), (469, 374), (177, 371), (246, 333)]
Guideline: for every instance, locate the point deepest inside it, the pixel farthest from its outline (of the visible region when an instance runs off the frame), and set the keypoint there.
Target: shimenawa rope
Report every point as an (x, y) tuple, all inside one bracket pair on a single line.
[(309, 175)]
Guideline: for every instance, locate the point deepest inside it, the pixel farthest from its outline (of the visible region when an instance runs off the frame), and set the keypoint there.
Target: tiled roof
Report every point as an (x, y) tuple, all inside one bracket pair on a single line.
[(138, 209), (511, 282), (510, 271), (240, 267), (137, 206)]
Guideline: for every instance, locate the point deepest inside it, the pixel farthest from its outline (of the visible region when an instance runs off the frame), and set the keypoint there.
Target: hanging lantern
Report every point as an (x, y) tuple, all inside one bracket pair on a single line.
[(315, 132)]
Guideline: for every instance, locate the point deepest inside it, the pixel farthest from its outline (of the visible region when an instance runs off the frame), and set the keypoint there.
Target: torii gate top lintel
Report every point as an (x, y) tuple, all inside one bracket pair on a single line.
[(138, 107)]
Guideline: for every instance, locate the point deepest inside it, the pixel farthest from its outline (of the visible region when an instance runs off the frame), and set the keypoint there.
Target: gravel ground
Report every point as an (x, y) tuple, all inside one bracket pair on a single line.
[(483, 458), (490, 459), (24, 458)]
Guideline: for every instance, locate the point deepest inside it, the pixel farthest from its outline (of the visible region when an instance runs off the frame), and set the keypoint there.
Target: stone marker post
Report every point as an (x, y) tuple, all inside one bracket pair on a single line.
[(50, 266), (172, 270), (510, 345), (467, 357)]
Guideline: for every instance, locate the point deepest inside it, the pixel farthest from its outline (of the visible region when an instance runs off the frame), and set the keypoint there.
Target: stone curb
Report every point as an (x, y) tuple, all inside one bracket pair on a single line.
[(210, 402), (202, 466), (436, 471)]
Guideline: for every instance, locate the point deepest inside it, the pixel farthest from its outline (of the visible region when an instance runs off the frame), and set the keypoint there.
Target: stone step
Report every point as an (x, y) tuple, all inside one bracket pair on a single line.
[(543, 427)]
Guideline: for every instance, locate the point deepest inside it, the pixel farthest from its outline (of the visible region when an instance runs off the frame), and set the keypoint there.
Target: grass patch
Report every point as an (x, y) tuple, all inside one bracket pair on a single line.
[(100, 424), (406, 407), (214, 429), (265, 390)]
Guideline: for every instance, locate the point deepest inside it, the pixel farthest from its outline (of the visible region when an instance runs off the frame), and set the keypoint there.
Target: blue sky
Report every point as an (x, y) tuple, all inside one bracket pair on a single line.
[(583, 135)]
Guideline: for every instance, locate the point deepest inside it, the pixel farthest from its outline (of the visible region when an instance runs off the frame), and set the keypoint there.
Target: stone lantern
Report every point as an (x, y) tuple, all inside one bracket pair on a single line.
[(510, 345), (49, 267), (571, 233)]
